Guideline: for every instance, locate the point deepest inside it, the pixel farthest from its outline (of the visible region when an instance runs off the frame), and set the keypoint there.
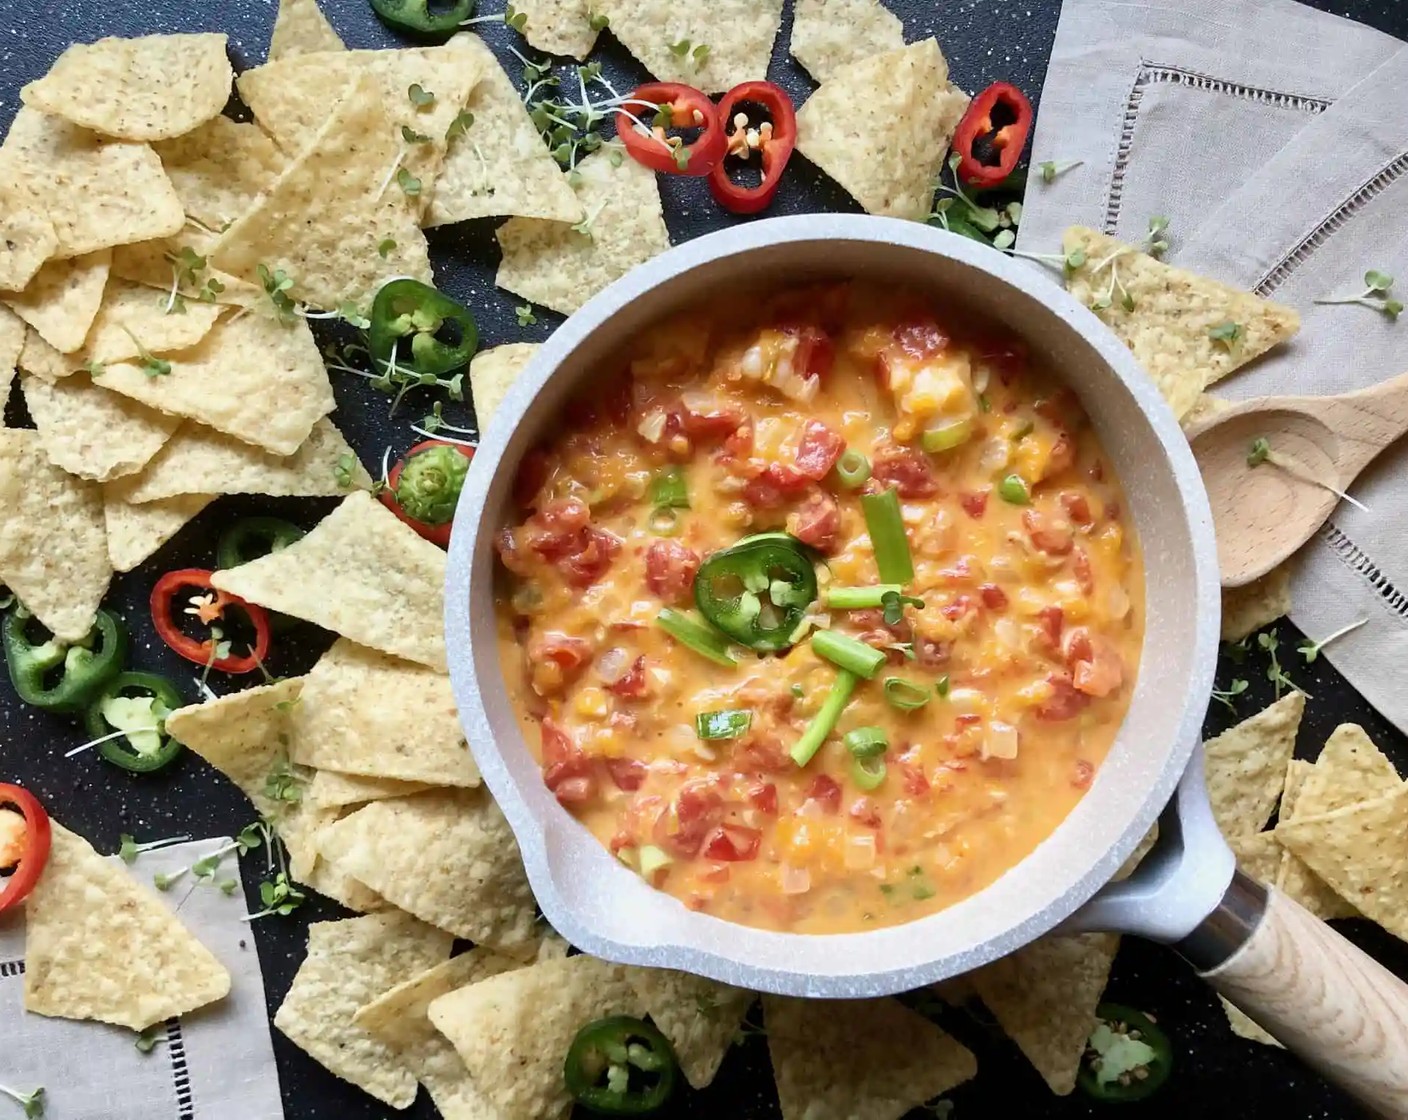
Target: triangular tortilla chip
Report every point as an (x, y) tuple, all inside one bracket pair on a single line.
[(135, 317), (448, 857), (97, 193), (513, 1030), (1359, 851), (99, 945), (301, 28), (1247, 609), (1258, 855), (63, 299), (881, 128), (738, 33), (293, 99), (560, 27), (12, 335), (251, 377), (331, 790), (93, 433), (1173, 313), (53, 545), (151, 263), (1243, 1026), (699, 1016), (557, 265), (220, 168), (349, 964), (354, 719), (401, 1019), (337, 885), (152, 88), (871, 1059), (1294, 879), (27, 240), (1350, 769), (200, 460), (1246, 766), (137, 532), (335, 221), (1045, 997), (361, 573), (492, 371), (38, 357), (829, 34), (498, 165)]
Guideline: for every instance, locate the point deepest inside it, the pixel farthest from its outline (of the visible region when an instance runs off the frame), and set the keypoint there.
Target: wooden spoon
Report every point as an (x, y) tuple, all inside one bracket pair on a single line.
[(1319, 445)]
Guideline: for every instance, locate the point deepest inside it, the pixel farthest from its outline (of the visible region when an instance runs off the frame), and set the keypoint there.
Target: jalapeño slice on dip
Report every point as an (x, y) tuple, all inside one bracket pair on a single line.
[(783, 634)]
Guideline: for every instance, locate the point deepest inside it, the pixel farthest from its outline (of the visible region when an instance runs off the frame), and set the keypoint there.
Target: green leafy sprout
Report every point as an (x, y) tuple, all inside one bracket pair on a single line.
[(419, 96), (147, 1039), (1226, 696), (129, 849), (1274, 672), (1376, 295), (1229, 334), (526, 317), (32, 1103), (276, 284), (150, 364), (1310, 649), (1259, 452), (1052, 169)]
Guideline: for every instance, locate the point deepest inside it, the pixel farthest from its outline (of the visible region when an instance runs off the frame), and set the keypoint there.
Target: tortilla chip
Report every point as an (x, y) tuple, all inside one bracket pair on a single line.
[(199, 460), (1245, 766), (738, 33), (251, 377), (1359, 852), (349, 964), (333, 883), (499, 165), (881, 128), (448, 857), (512, 1030), (93, 433), (12, 335), (1204, 408), (219, 169), (331, 790), (1045, 997), (53, 546), (1243, 1026), (1173, 313), (380, 717), (361, 573), (293, 99), (553, 264), (700, 1017), (99, 945), (63, 299), (561, 27), (1294, 879), (27, 240), (325, 219), (492, 371), (829, 34), (871, 1059), (97, 193), (137, 532), (134, 317), (301, 28), (1350, 769), (1247, 609), (401, 1019), (150, 263), (1258, 855), (152, 88)]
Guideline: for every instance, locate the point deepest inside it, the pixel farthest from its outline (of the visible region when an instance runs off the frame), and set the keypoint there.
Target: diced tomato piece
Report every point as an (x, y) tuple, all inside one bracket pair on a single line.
[(920, 337), (619, 840), (865, 811), (1062, 457), (571, 790), (562, 534), (733, 843), (1080, 564), (628, 773), (994, 598), (819, 450), (957, 607), (1083, 775), (585, 567), (714, 873), (1077, 507), (698, 807), (974, 503), (736, 447), (1095, 665), (1066, 700), (554, 659), (826, 792), (1049, 623), (774, 486), (670, 568), (763, 797), (915, 783), (557, 742), (718, 422), (633, 683), (762, 753), (529, 479), (1097, 471), (815, 354), (1047, 533), (965, 720), (909, 471), (817, 522), (931, 654)]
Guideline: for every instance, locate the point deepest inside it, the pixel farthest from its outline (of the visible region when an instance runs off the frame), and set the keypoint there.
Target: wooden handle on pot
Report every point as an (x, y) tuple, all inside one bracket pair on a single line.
[(1337, 1008)]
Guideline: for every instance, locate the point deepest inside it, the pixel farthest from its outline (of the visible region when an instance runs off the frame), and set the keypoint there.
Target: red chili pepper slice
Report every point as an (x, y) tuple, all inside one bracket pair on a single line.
[(212, 607), (34, 852), (684, 107), (435, 491), (775, 139), (992, 135)]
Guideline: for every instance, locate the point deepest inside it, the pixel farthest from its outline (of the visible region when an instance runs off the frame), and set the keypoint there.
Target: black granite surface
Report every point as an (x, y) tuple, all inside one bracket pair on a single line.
[(1217, 1074)]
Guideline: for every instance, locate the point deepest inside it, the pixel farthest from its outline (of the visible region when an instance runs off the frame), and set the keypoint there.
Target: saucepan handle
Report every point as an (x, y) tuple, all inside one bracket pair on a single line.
[(1334, 1006)]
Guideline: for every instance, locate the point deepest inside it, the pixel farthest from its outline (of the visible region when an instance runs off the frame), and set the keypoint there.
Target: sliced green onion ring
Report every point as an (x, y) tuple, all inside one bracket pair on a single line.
[(1014, 489), (942, 687), (693, 634), (866, 742), (906, 695), (853, 469), (670, 489), (947, 436), (868, 773), (665, 521), (824, 722), (847, 653), (887, 536), (860, 598), (727, 724)]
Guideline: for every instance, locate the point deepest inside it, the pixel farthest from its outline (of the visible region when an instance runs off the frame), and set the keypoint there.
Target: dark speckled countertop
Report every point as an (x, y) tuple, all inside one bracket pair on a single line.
[(1217, 1074)]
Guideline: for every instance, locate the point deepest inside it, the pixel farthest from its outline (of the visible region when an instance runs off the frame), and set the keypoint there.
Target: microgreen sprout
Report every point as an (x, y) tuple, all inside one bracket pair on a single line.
[(32, 1103), (108, 738), (462, 123), (151, 365), (276, 284), (408, 182), (186, 267), (385, 248), (129, 849), (1052, 169), (419, 96), (894, 603), (1261, 452), (526, 318), (1067, 262), (94, 369), (1229, 334), (1310, 650), (584, 227), (1376, 295), (515, 19), (680, 49), (1274, 672), (411, 136), (597, 22), (147, 1039), (344, 471), (1155, 242), (1225, 696), (283, 783), (279, 896), (700, 54)]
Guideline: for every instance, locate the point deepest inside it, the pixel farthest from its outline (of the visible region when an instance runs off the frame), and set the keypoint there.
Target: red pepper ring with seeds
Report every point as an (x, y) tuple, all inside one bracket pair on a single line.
[(657, 107), (992, 135), (25, 839), (207, 608), (774, 139)]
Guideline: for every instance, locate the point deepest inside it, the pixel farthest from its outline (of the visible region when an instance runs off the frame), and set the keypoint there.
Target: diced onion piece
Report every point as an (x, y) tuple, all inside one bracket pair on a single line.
[(981, 377), (1000, 740), (796, 880), (860, 852), (652, 428), (997, 453), (1117, 601), (967, 700), (614, 664)]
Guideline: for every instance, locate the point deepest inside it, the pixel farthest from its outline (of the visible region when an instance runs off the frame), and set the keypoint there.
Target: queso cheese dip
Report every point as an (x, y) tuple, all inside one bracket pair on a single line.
[(822, 609)]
